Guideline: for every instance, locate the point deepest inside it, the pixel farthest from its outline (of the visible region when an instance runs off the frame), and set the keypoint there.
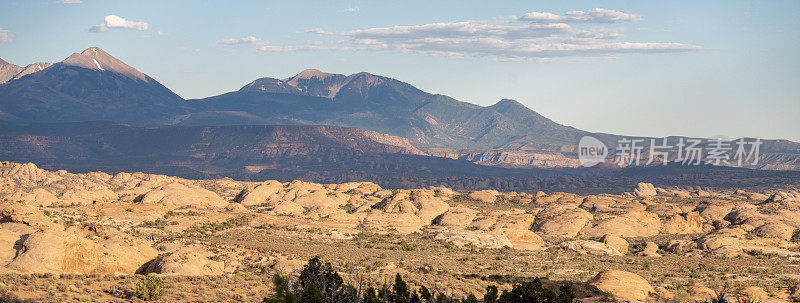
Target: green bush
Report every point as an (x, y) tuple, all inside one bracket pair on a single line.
[(150, 288), (320, 283)]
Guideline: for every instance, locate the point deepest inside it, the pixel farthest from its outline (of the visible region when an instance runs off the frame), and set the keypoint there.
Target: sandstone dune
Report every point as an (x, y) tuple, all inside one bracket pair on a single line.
[(622, 284), (96, 223)]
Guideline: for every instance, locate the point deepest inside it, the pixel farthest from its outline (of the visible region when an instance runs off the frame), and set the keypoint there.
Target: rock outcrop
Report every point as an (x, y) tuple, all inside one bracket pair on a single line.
[(622, 284), (184, 261), (462, 238)]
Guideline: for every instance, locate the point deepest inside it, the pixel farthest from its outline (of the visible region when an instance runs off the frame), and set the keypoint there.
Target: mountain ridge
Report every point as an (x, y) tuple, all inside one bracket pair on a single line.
[(93, 85)]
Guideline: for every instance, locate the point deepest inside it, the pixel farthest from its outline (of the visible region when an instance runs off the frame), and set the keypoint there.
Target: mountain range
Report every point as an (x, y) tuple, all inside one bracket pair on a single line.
[(93, 86)]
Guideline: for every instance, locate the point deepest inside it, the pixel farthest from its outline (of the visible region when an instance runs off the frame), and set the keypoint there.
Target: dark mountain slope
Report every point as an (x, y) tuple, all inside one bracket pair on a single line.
[(381, 104), (322, 154), (91, 85)]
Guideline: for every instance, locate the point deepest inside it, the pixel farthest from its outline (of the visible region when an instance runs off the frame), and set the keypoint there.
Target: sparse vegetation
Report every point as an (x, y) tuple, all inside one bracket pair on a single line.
[(150, 288)]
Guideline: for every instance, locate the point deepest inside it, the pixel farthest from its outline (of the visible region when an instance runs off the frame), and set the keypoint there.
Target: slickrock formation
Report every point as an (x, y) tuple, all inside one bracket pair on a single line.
[(702, 293), (616, 242), (96, 223), (558, 222), (622, 284), (590, 248), (463, 238), (185, 261)]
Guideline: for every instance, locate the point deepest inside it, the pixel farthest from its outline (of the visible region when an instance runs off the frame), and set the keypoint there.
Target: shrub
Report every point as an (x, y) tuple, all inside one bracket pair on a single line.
[(320, 283), (150, 288)]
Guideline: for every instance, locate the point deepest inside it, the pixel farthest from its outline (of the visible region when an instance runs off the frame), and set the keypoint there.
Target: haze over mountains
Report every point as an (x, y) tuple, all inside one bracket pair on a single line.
[(398, 118)]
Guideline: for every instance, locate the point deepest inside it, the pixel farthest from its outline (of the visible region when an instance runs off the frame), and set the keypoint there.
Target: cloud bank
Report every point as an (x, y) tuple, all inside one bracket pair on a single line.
[(597, 15), (532, 36), (114, 22)]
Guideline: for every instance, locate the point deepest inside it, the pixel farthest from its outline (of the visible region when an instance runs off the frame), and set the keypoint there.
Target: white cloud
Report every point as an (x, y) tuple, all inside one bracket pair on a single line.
[(351, 10), (597, 15), (318, 31), (114, 21), (462, 29), (302, 48), (70, 2), (5, 36), (549, 37), (245, 40)]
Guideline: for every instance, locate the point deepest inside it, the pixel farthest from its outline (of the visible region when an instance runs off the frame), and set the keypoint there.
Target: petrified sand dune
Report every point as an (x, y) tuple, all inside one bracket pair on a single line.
[(616, 242), (622, 284), (176, 195), (95, 223), (559, 222), (590, 248), (185, 261), (69, 251), (463, 238)]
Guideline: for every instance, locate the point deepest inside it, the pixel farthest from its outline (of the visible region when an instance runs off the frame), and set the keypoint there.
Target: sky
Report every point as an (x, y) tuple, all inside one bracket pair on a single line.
[(640, 68)]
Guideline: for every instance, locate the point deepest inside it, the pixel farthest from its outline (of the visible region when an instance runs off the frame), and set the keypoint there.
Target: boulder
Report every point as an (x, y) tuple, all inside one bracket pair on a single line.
[(36, 197), (702, 293), (485, 196), (743, 250), (423, 202), (259, 194), (722, 237), (598, 203), (515, 220), (317, 200), (566, 223), (463, 238), (644, 190), (616, 242), (622, 284), (755, 294), (590, 248), (236, 207), (690, 223), (775, 230), (69, 252), (650, 250), (715, 212), (177, 195), (88, 194), (429, 204), (629, 225), (522, 239), (288, 208), (680, 247), (25, 214), (185, 261), (456, 217), (403, 223)]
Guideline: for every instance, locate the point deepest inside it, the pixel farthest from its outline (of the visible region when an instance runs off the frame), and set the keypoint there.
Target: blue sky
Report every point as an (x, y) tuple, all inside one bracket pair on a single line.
[(655, 68)]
